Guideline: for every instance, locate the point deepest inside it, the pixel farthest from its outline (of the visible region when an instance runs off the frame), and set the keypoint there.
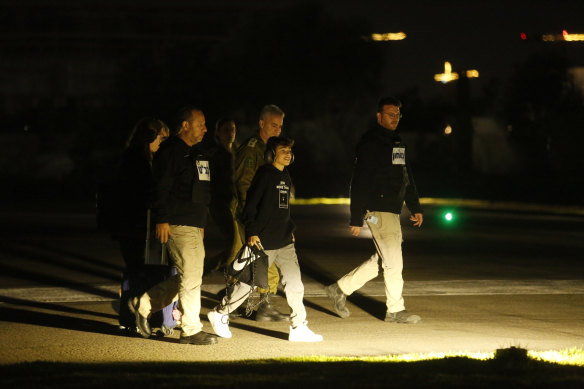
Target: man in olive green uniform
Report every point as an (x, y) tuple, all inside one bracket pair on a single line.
[(248, 158)]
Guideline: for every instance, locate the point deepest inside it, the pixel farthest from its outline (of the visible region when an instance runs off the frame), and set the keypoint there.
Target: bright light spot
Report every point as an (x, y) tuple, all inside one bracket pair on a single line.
[(472, 73), (564, 36), (448, 216), (448, 130), (390, 36), (447, 76), (574, 37), (523, 36), (573, 356)]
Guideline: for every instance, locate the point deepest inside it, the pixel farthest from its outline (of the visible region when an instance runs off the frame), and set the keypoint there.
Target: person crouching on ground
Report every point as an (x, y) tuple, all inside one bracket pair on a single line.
[(267, 222)]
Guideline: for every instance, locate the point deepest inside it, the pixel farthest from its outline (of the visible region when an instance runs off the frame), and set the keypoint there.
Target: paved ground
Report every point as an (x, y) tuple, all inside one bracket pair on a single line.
[(491, 280)]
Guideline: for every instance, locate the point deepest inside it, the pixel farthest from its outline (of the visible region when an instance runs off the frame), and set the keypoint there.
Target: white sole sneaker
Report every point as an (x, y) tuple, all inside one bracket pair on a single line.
[(220, 328), (303, 334)]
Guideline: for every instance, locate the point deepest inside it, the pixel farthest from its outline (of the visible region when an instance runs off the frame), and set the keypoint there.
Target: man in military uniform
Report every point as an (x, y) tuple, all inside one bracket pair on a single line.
[(248, 158)]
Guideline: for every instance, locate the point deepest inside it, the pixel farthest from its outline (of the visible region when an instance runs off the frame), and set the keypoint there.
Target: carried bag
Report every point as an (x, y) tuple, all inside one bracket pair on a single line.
[(137, 281), (250, 266)]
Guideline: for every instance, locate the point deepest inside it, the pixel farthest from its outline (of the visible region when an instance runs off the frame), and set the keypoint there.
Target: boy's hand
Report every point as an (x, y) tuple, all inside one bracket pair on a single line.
[(253, 240)]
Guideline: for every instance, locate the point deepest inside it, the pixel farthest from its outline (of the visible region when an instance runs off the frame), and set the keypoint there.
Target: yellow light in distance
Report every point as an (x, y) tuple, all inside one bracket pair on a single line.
[(472, 73), (447, 76), (448, 130), (390, 36), (574, 37)]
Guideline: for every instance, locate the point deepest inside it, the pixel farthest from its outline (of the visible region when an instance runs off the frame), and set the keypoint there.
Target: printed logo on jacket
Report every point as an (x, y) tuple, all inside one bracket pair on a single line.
[(283, 198), (398, 156), (203, 170)]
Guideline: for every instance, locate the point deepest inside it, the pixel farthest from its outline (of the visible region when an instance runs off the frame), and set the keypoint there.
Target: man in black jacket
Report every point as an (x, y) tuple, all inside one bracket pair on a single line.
[(381, 181), (179, 208)]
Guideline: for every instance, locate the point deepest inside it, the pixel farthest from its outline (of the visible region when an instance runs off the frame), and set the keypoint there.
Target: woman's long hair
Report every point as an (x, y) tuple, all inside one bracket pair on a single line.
[(144, 133)]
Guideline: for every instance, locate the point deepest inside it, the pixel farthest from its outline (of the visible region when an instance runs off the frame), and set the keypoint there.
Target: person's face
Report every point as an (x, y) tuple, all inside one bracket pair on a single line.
[(283, 156), (271, 126), (226, 133), (389, 117), (194, 130), (155, 144)]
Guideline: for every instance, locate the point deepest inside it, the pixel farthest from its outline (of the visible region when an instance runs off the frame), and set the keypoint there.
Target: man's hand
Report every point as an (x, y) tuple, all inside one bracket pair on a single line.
[(163, 232), (418, 219), (355, 230), (253, 240)]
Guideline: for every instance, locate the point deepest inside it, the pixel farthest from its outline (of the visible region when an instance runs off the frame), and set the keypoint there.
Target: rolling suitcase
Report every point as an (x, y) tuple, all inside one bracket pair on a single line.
[(135, 283)]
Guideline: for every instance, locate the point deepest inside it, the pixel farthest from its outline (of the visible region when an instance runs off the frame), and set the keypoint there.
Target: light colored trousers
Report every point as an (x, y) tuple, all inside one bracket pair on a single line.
[(188, 254), (387, 235), (286, 261)]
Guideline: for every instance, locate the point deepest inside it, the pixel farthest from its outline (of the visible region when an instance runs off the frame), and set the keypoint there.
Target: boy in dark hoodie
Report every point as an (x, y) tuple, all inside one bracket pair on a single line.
[(267, 221), (382, 180)]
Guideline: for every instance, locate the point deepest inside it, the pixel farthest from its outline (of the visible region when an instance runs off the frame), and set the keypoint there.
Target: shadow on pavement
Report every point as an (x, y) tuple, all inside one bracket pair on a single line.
[(42, 319), (41, 278), (54, 307), (45, 258), (75, 255)]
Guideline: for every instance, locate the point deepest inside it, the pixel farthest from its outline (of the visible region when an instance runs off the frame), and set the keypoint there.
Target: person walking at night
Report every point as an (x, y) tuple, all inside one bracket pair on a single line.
[(382, 180), (135, 188), (268, 224), (180, 200), (248, 158), (223, 199)]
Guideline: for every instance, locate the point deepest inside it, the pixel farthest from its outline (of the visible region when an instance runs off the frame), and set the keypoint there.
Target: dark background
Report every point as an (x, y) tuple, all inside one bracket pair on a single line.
[(75, 76)]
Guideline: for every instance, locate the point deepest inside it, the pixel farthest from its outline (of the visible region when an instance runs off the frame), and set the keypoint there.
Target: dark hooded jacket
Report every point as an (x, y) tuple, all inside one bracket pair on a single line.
[(382, 179)]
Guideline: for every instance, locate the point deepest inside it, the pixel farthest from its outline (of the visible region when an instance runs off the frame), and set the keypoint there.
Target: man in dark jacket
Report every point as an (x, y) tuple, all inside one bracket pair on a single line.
[(381, 181), (179, 208)]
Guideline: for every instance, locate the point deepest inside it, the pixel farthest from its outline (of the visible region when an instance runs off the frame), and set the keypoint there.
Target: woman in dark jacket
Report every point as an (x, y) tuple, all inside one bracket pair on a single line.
[(135, 185)]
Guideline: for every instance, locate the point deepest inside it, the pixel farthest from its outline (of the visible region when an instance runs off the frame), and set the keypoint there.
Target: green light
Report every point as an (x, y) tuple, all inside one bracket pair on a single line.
[(448, 216)]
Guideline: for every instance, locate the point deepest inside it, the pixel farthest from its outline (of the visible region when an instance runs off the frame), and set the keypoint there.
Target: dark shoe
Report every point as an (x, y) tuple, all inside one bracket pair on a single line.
[(402, 317), (267, 312), (338, 298), (200, 338), (142, 324)]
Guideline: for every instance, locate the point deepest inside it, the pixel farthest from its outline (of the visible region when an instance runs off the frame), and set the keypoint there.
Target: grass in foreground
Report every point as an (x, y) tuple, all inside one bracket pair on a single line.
[(506, 367)]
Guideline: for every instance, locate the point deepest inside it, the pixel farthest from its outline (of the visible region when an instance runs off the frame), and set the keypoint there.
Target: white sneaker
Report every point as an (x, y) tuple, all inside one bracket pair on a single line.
[(220, 323), (303, 334)]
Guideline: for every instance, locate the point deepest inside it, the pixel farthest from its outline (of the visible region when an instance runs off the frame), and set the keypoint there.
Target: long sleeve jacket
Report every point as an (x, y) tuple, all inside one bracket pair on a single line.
[(382, 178), (181, 179), (248, 158), (267, 210)]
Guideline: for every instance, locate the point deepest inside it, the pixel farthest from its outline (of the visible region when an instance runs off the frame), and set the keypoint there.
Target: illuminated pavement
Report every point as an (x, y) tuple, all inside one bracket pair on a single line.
[(490, 280)]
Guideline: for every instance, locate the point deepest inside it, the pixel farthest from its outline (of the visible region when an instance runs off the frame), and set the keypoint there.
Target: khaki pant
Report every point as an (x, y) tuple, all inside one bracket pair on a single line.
[(238, 241), (387, 236), (188, 254)]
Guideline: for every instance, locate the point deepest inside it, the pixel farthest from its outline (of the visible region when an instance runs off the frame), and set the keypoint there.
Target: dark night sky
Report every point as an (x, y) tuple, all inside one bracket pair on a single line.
[(482, 35)]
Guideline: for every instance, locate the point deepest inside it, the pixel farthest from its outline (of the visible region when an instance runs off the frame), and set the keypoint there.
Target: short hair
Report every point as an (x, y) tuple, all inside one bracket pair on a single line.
[(388, 101), (185, 114), (276, 141), (271, 109)]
